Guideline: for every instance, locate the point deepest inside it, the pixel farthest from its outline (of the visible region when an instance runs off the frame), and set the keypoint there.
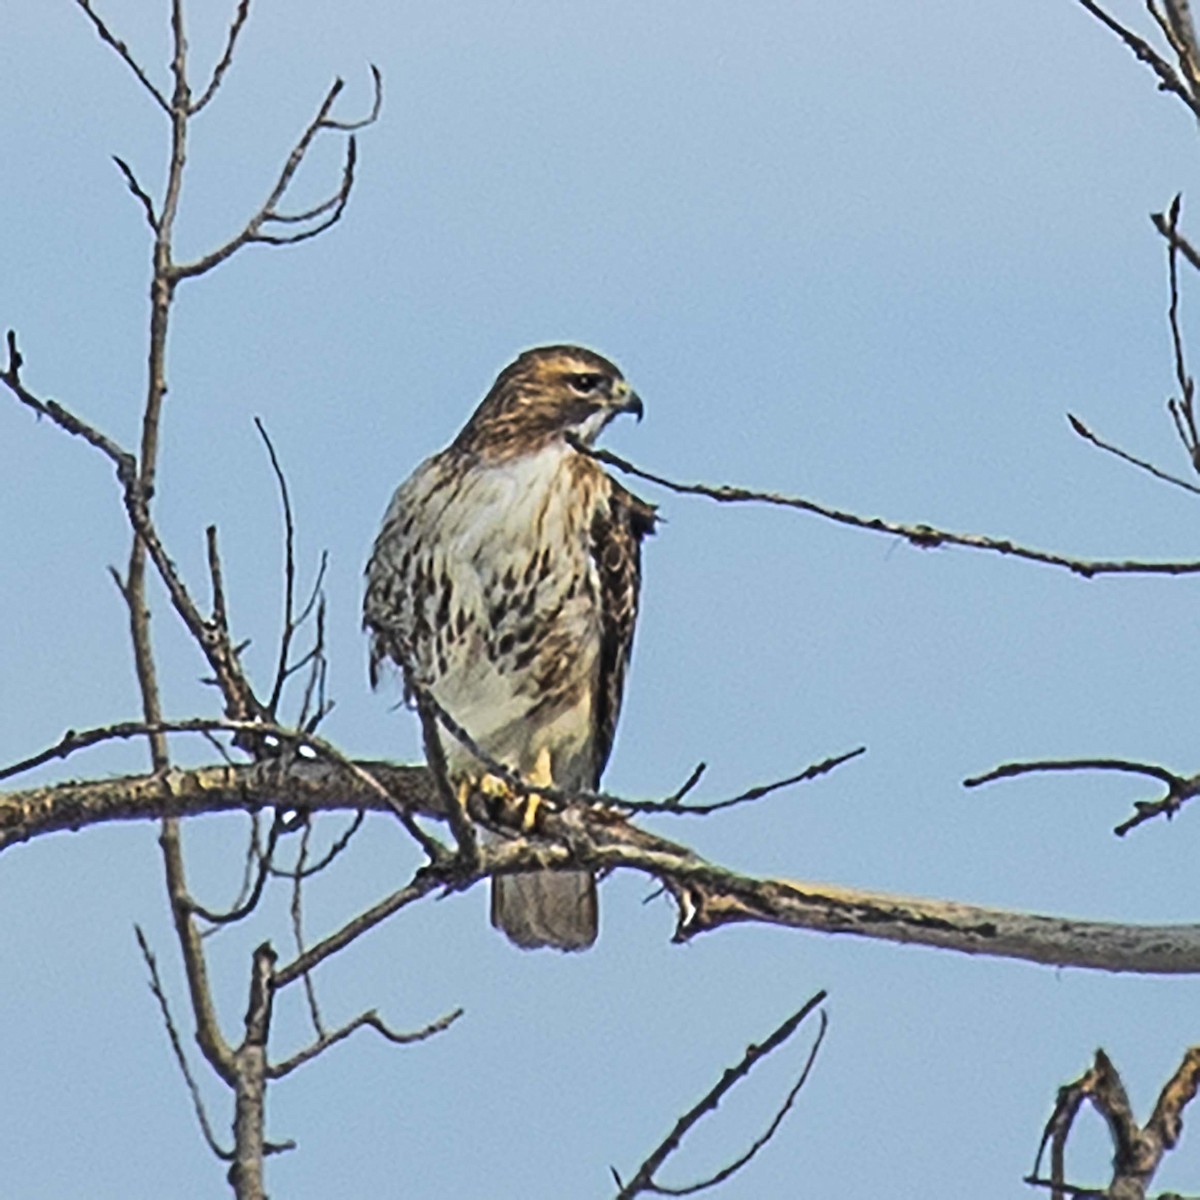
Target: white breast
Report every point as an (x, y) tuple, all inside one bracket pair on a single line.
[(513, 539)]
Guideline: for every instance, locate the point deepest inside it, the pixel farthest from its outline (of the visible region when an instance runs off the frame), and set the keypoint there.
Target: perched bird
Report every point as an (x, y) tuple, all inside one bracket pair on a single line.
[(504, 583)]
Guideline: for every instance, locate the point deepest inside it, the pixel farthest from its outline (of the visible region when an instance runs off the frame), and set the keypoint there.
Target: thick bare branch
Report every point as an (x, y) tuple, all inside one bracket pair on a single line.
[(296, 740), (710, 896), (250, 1083)]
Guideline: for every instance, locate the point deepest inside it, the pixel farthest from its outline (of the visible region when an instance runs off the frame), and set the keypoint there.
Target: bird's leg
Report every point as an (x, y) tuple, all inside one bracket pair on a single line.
[(540, 777)]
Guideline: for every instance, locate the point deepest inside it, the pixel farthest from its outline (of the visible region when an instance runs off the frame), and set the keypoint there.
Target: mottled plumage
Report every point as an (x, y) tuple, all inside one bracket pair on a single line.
[(505, 581)]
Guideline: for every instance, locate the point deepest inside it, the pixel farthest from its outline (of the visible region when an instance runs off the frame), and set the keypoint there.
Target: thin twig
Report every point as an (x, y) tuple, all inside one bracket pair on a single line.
[(673, 806), (220, 614), (332, 209), (139, 193), (1180, 789), (1141, 463), (242, 909), (644, 1182), (124, 54), (1012, 769), (297, 914), (369, 1020), (1168, 79), (336, 848), (253, 857), (226, 59), (289, 569), (124, 462), (177, 1048), (1183, 409), (456, 814), (923, 536), (420, 886)]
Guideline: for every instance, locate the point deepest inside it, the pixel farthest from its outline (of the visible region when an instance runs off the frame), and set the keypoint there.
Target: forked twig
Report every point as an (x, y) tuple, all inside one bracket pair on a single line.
[(1180, 788), (673, 805), (1138, 1150), (367, 1020), (328, 211), (1168, 78), (643, 1180)]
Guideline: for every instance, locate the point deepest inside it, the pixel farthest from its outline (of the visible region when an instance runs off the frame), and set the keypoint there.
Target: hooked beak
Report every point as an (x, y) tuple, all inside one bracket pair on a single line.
[(626, 400)]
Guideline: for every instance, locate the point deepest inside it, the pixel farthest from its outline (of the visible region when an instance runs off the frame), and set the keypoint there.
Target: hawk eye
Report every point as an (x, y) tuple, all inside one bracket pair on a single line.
[(585, 382)]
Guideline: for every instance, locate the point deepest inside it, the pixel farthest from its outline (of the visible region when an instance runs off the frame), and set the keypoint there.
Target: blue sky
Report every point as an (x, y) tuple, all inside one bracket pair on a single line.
[(870, 254)]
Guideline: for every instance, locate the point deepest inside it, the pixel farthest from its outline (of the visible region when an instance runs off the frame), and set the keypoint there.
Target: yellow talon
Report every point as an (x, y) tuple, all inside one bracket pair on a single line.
[(529, 817), (493, 785)]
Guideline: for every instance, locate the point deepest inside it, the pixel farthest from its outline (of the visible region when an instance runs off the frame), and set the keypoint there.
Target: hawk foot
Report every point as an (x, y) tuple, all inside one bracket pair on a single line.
[(511, 807)]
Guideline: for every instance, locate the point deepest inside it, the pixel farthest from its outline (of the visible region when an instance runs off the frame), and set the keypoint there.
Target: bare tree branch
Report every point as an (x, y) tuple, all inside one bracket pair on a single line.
[(710, 896), (1177, 27), (289, 570), (177, 1049), (1180, 788), (644, 1182), (125, 463), (226, 59), (923, 536), (1182, 409), (1168, 79), (366, 1020), (250, 1082), (297, 914), (1141, 463), (674, 806), (123, 52), (73, 741), (1138, 1150), (138, 192), (332, 208)]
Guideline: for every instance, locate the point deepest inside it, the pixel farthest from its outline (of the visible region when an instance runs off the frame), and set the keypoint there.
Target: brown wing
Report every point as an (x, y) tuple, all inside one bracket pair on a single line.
[(616, 548)]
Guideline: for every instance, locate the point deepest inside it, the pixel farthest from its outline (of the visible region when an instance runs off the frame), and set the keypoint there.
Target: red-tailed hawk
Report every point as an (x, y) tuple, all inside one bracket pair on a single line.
[(505, 582)]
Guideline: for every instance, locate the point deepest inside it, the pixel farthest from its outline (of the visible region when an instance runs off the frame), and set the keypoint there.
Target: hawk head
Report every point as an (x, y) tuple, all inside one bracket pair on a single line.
[(547, 393)]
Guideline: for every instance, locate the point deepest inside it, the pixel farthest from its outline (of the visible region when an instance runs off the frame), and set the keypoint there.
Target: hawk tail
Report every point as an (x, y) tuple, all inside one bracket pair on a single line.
[(547, 908)]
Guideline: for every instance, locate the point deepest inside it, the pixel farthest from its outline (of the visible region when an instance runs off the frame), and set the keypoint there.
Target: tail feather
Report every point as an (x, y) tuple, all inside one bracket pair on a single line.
[(547, 908)]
